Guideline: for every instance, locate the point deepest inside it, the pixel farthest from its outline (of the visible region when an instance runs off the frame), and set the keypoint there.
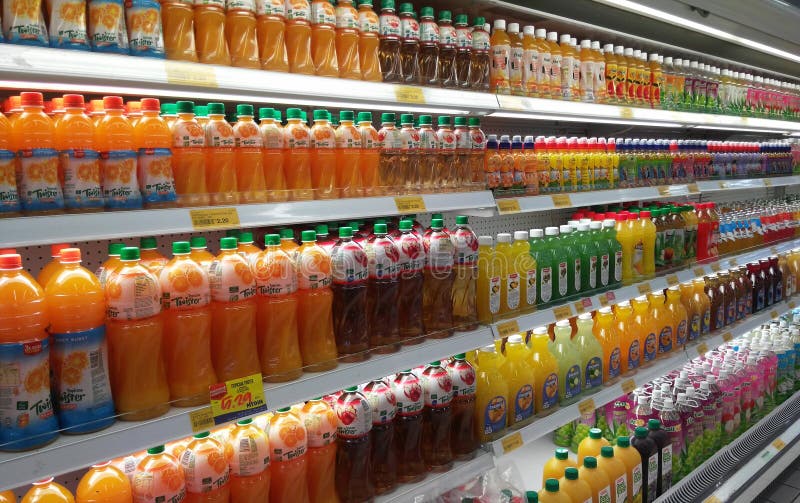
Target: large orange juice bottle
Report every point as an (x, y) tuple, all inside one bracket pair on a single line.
[(250, 462), (135, 331), (48, 491), (617, 474), (205, 466), (499, 78), (9, 195), (234, 351), (8, 497), (320, 421), (348, 156), (297, 156), (630, 346), (369, 158), (347, 38), (199, 252), (187, 328), (219, 157), (26, 349), (153, 141), (545, 372), (551, 493), (663, 322), (591, 445), (298, 37), (114, 143), (177, 22), (605, 331), (76, 309), (272, 132), (571, 485), (104, 483), (647, 328), (288, 243), (270, 34), (209, 29), (693, 311), (79, 163), (248, 157), (240, 33), (53, 267), (276, 322), (288, 461), (705, 305), (323, 155), (597, 479), (158, 477), (680, 318), (247, 248), (368, 42), (94, 109), (314, 305), (555, 467), (323, 38), (633, 467), (188, 160), (491, 392), (111, 264)]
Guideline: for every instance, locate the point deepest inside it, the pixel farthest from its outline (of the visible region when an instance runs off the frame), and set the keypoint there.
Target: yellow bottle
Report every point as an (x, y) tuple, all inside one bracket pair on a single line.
[(577, 489), (617, 474), (552, 494), (555, 467), (606, 333), (680, 318), (596, 478), (530, 60), (555, 65), (633, 467), (647, 330), (491, 407), (621, 80), (509, 289), (648, 240), (662, 320), (630, 347), (591, 445), (570, 82), (544, 65), (627, 238), (631, 76), (545, 372), (515, 71), (489, 282), (611, 72), (656, 81), (499, 75), (520, 377), (525, 266)]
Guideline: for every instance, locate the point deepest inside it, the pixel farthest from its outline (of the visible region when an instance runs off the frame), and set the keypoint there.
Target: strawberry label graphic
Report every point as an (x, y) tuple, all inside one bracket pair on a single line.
[(462, 378), (466, 246), (437, 386), (354, 414), (407, 390), (349, 264), (412, 254), (383, 258), (381, 401)]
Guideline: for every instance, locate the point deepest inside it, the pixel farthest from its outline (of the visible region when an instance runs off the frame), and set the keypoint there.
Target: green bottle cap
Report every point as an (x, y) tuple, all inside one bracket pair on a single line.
[(227, 243), (426, 12), (595, 433), (156, 450), (460, 121), (181, 248), (387, 4), (287, 234), (590, 462), (308, 236), (623, 442), (380, 229), (216, 109), (479, 22), (607, 451), (201, 111), (278, 118), (168, 109), (345, 232), (246, 237), (364, 116), (406, 8), (551, 485), (462, 19), (351, 389), (460, 356), (571, 473), (407, 119), (233, 233), (462, 220), (244, 422), (654, 424), (129, 253), (272, 240), (284, 409), (184, 107), (115, 248), (320, 115), (244, 110), (443, 120), (294, 113), (562, 453), (198, 242), (474, 121), (202, 434), (266, 113), (405, 225), (387, 117), (640, 432), (531, 497), (346, 115), (437, 223), (445, 15), (425, 119), (148, 243), (321, 230)]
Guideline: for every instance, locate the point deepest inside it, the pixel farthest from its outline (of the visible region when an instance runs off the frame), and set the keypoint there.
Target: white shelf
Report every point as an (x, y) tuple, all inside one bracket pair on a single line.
[(71, 451), (23, 231), (755, 183)]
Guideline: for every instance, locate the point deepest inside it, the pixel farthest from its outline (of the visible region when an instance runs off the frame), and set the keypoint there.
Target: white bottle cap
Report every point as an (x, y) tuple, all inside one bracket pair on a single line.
[(595, 225), (618, 49), (608, 47), (583, 227), (573, 41), (529, 30), (628, 52), (609, 222), (552, 36), (643, 56), (563, 324), (605, 310), (541, 33), (516, 338), (573, 223), (504, 237), (654, 57), (678, 61), (513, 27), (694, 65), (499, 24), (585, 316), (521, 236), (564, 229), (539, 330), (641, 298), (624, 303), (485, 241), (584, 220), (661, 59), (637, 53), (551, 231), (595, 45), (586, 44), (564, 38), (486, 27), (536, 233), (668, 60), (505, 137)]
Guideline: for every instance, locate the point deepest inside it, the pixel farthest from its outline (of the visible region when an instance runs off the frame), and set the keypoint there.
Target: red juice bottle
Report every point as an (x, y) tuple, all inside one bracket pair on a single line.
[(463, 440), (383, 290), (408, 427), (412, 262), (437, 416), (382, 458), (353, 468), (438, 286), (349, 271)]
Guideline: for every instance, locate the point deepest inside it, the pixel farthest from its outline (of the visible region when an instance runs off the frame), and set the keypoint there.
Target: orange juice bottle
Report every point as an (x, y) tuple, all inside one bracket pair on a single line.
[(76, 309), (133, 111), (569, 56), (95, 110), (591, 445), (240, 33), (663, 322), (545, 367), (551, 493), (577, 489), (348, 154), (246, 247), (617, 474), (158, 477), (199, 252), (153, 141), (272, 153), (704, 303), (276, 323), (104, 483), (647, 328), (597, 479), (270, 34), (555, 467), (248, 157), (680, 318), (8, 497), (48, 491), (347, 40), (250, 462), (369, 158), (288, 244), (111, 264), (26, 349), (209, 29), (51, 268), (114, 142), (298, 37), (605, 332), (219, 157), (9, 195), (368, 42), (297, 156), (630, 346), (150, 257), (78, 160), (205, 466), (188, 160), (169, 113), (323, 155), (234, 350), (288, 462), (633, 467), (501, 53), (134, 330), (323, 38), (556, 56), (177, 22), (187, 328), (320, 421)]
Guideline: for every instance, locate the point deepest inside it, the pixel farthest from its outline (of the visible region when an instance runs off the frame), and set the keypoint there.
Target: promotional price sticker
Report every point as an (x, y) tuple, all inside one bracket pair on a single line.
[(409, 94), (699, 271), (628, 386), (507, 328), (644, 288), (562, 312), (202, 420), (508, 206), (237, 398), (511, 442), (672, 280), (409, 204), (561, 200), (702, 349), (214, 218), (586, 406)]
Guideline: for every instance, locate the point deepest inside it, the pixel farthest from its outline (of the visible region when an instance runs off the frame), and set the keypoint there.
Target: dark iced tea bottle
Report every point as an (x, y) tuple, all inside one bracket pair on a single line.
[(408, 427), (438, 288), (649, 452), (412, 263), (428, 48), (716, 296), (757, 285), (383, 459), (383, 288), (349, 272), (463, 440), (437, 388), (664, 444), (730, 297), (769, 282), (353, 467), (777, 279), (389, 47), (463, 51), (747, 287), (409, 48)]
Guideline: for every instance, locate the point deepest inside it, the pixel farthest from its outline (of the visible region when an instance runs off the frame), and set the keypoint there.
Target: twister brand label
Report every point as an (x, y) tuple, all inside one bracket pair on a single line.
[(370, 139), (230, 279), (390, 137), (154, 170), (247, 135), (321, 422), (296, 136), (119, 179), (132, 294), (9, 197), (428, 31), (81, 170), (447, 35), (546, 284), (162, 480), (463, 38), (297, 9), (523, 403), (634, 355), (248, 5), (650, 347), (205, 466), (348, 137), (530, 290), (80, 367), (314, 269), (23, 23), (37, 176), (219, 133), (621, 488), (368, 22), (594, 373), (188, 133), (346, 17), (349, 264), (273, 135), (214, 3), (480, 40), (270, 8), (287, 438), (477, 139), (144, 28), (494, 416), (353, 414), (68, 24), (250, 451), (383, 258), (437, 387), (563, 284), (665, 340), (381, 401), (323, 136), (412, 254), (407, 390), (512, 291), (614, 363), (604, 495), (323, 13), (410, 137), (184, 286), (572, 383), (462, 377), (439, 252), (389, 25), (26, 410), (778, 292), (652, 477), (550, 392)]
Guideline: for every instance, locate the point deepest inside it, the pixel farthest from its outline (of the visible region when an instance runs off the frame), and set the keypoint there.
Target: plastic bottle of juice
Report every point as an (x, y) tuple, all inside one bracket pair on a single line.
[(177, 21), (463, 56), (270, 35), (500, 54), (556, 466), (665, 453), (219, 157), (288, 463), (632, 461), (187, 328), (463, 437), (630, 344), (526, 269), (47, 491), (199, 252), (248, 157), (272, 154), (383, 288), (446, 71), (649, 461), (429, 48), (568, 58), (627, 241), (465, 271), (103, 483), (349, 272), (51, 268), (382, 457), (704, 305), (354, 480), (586, 249), (545, 371), (409, 48), (241, 33), (188, 160), (437, 417), (206, 468), (412, 262), (408, 428), (592, 356), (648, 234), (543, 64), (159, 477), (79, 165), (348, 156), (605, 331), (368, 42), (323, 155), (556, 54), (276, 324), (520, 378), (598, 480), (568, 356), (23, 320), (110, 265), (114, 142), (547, 263), (515, 59), (298, 37), (297, 156), (9, 195), (153, 141), (509, 278), (491, 407), (209, 28), (369, 157), (288, 244), (389, 46), (575, 488), (480, 61), (76, 310), (320, 422), (569, 267), (437, 300), (591, 445), (489, 281), (680, 317), (323, 38), (648, 328)]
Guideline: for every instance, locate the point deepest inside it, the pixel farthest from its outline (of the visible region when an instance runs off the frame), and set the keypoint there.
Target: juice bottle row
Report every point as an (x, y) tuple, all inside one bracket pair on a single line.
[(346, 447), (68, 160)]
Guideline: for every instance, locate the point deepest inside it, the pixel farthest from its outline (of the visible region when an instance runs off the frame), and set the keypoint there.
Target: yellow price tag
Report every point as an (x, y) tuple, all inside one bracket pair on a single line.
[(722, 185), (715, 267), (699, 271), (712, 499), (507, 328), (409, 204), (587, 406), (672, 280), (792, 304), (202, 420), (190, 74), (727, 336), (733, 262), (644, 288), (663, 190), (237, 398), (214, 218), (767, 183), (409, 94), (702, 348), (562, 312), (778, 444), (693, 188), (626, 113), (773, 250), (506, 206), (628, 386), (603, 300), (579, 307), (561, 200), (773, 313), (511, 442)]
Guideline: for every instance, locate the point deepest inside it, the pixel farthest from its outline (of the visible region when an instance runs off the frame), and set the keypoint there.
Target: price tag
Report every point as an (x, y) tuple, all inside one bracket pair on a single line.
[(409, 94), (511, 442), (237, 398), (778, 444), (603, 300), (727, 336), (606, 298), (773, 250), (712, 499), (190, 74), (586, 406), (672, 280), (628, 386), (792, 304), (626, 113), (733, 262), (507, 206), (663, 190), (214, 218), (702, 348), (693, 188), (767, 183), (202, 420), (722, 185), (579, 307), (644, 288), (409, 204), (715, 267), (699, 271), (507, 328), (562, 312), (773, 313), (561, 200)]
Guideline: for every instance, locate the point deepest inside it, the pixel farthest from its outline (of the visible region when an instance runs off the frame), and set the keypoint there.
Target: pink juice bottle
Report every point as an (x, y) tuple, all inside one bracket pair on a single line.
[(758, 388), (729, 399), (641, 411), (691, 439)]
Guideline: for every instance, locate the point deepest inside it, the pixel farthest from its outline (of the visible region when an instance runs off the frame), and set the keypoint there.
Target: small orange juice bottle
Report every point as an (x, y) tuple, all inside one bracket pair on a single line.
[(209, 28), (114, 143), (298, 37), (605, 332), (323, 38), (551, 493), (368, 42), (219, 157), (555, 467), (177, 21), (272, 154), (680, 317), (200, 253), (270, 35), (297, 156), (323, 156), (188, 161), (577, 489), (205, 466), (150, 257), (79, 163), (369, 159), (153, 140), (288, 466), (240, 33), (348, 154), (247, 248), (158, 477), (596, 478), (617, 474), (250, 475), (53, 267), (347, 38), (501, 54), (321, 422), (647, 328), (104, 483), (591, 445), (248, 157), (48, 491)]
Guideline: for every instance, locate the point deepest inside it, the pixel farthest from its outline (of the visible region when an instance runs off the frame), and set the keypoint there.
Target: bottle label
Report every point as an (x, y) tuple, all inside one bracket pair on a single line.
[(447, 35), (500, 56), (599, 81), (287, 439), (652, 477), (368, 22), (9, 197), (409, 28), (391, 138), (323, 13), (439, 252), (523, 404), (720, 317), (428, 139), (681, 335), (637, 261), (636, 490), (298, 9), (144, 30), (572, 383), (37, 175), (250, 452), (107, 26), (705, 326), (621, 488), (650, 347), (530, 69), (68, 24), (466, 247), (665, 340), (512, 291), (593, 272), (530, 289), (694, 327), (132, 294), (412, 254), (272, 135), (230, 279), (577, 272), (494, 294), (429, 31), (184, 286), (515, 65), (666, 462), (323, 136), (546, 284), (410, 138), (614, 363), (604, 495), (594, 373), (437, 387), (120, 182), (587, 80), (543, 65), (296, 136), (408, 393), (480, 40), (389, 25), (446, 138), (349, 264), (383, 258), (81, 170), (562, 279), (381, 401), (275, 274), (270, 8), (247, 5), (462, 375), (618, 266), (494, 417), (477, 139), (219, 134), (353, 414), (550, 392), (604, 266), (188, 134), (463, 38), (346, 17), (205, 467), (634, 355), (159, 484)]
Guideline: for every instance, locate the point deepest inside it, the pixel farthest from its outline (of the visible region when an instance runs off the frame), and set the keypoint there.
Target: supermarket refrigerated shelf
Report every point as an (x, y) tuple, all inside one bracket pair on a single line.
[(71, 451)]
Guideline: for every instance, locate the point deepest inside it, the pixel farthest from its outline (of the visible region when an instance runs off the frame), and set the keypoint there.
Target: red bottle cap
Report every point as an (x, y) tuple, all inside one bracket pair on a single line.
[(55, 250), (12, 260), (29, 99), (151, 104), (112, 103), (73, 101)]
